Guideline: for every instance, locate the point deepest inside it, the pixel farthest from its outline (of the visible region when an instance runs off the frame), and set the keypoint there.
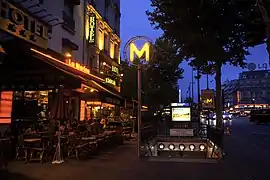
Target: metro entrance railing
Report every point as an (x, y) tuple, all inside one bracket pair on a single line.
[(206, 144)]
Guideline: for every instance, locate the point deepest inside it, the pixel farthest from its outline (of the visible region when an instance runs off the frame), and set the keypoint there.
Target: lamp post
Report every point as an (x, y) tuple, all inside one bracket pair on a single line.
[(139, 113), (145, 54)]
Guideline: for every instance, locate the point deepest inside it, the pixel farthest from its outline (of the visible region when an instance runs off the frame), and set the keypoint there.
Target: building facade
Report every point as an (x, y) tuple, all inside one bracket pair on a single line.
[(252, 87), (65, 44), (230, 92)]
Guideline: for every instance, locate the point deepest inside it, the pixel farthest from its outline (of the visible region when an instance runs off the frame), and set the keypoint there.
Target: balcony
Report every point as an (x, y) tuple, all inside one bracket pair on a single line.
[(68, 23), (105, 56)]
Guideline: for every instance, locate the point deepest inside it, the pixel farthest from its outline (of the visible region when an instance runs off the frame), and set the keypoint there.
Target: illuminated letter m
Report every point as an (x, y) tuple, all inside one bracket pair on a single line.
[(144, 52)]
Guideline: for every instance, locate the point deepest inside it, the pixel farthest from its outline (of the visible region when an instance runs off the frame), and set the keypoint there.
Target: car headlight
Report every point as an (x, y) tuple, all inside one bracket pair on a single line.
[(202, 147), (181, 147), (171, 146), (161, 146), (192, 147)]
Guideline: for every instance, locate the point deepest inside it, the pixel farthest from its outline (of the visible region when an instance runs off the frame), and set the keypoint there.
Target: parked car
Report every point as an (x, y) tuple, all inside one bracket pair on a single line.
[(260, 116)]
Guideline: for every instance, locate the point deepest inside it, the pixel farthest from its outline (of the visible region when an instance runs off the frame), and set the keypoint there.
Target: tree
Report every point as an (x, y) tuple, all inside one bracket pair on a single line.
[(206, 33), (159, 77)]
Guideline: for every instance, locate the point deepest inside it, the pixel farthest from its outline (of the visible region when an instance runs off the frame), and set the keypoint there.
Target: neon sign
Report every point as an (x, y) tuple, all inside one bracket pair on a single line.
[(115, 69), (77, 66), (132, 52), (92, 28), (110, 81), (19, 24)]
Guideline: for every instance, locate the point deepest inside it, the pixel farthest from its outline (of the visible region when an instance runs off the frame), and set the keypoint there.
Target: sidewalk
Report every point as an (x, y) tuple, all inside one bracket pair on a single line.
[(121, 164), (107, 166)]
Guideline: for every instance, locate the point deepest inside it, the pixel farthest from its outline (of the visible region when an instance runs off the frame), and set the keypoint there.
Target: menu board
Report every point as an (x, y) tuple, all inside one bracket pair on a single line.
[(181, 114)]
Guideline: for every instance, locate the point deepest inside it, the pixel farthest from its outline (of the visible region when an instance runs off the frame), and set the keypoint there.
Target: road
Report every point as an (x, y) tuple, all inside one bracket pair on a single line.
[(248, 158)]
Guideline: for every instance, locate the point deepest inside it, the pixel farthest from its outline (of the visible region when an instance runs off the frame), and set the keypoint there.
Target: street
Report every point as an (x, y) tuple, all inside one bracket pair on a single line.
[(248, 157)]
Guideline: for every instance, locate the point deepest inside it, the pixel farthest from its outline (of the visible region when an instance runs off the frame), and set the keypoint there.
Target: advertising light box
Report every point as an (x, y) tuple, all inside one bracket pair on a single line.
[(181, 114)]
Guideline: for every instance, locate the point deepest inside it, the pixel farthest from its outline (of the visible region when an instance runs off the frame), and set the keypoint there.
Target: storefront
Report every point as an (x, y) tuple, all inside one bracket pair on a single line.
[(31, 75)]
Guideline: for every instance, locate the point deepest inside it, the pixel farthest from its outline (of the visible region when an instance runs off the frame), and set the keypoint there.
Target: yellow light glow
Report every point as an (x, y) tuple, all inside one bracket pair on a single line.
[(104, 63), (58, 61), (143, 52), (92, 90), (100, 40), (68, 55), (112, 50), (86, 27)]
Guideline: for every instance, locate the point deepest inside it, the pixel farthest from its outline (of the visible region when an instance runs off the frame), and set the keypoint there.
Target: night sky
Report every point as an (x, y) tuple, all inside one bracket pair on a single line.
[(134, 22)]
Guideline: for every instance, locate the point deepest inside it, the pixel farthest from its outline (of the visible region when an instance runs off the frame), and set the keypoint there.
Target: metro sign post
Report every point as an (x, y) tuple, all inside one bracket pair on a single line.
[(144, 55)]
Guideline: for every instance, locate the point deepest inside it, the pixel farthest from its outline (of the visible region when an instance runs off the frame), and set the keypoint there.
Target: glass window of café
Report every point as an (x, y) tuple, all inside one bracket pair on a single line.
[(92, 110), (31, 105)]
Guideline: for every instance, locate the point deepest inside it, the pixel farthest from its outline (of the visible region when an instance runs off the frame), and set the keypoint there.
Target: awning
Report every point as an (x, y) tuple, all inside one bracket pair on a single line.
[(49, 59), (87, 79)]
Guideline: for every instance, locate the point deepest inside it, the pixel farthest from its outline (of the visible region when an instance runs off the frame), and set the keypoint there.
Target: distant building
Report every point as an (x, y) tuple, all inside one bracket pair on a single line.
[(230, 92), (252, 87)]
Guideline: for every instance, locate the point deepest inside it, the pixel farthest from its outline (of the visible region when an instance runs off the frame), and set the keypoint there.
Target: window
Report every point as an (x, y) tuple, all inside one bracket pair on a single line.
[(116, 51), (106, 42), (68, 17)]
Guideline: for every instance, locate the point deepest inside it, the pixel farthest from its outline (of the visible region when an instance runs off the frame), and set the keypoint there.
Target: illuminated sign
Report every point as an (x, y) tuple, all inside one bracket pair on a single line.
[(181, 114), (19, 24), (132, 52), (110, 81), (5, 106), (77, 66), (208, 96), (207, 101), (115, 69), (92, 29)]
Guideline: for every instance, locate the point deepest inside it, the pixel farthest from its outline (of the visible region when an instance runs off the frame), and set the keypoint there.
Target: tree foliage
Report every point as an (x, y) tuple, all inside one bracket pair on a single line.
[(209, 33), (159, 77)]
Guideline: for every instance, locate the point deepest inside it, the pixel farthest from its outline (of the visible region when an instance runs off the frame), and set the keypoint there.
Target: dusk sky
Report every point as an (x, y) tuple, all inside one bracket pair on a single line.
[(134, 22)]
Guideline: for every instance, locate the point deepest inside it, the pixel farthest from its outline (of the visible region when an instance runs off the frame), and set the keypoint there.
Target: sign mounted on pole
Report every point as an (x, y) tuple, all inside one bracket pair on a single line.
[(140, 48)]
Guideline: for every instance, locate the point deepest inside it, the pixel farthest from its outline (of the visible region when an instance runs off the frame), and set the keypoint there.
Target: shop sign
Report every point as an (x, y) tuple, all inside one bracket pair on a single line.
[(110, 81), (115, 69), (112, 101), (20, 24), (208, 96), (92, 28), (78, 66)]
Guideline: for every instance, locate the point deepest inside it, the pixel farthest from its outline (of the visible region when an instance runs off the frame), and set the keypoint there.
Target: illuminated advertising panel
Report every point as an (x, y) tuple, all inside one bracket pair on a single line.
[(181, 114), (6, 107)]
